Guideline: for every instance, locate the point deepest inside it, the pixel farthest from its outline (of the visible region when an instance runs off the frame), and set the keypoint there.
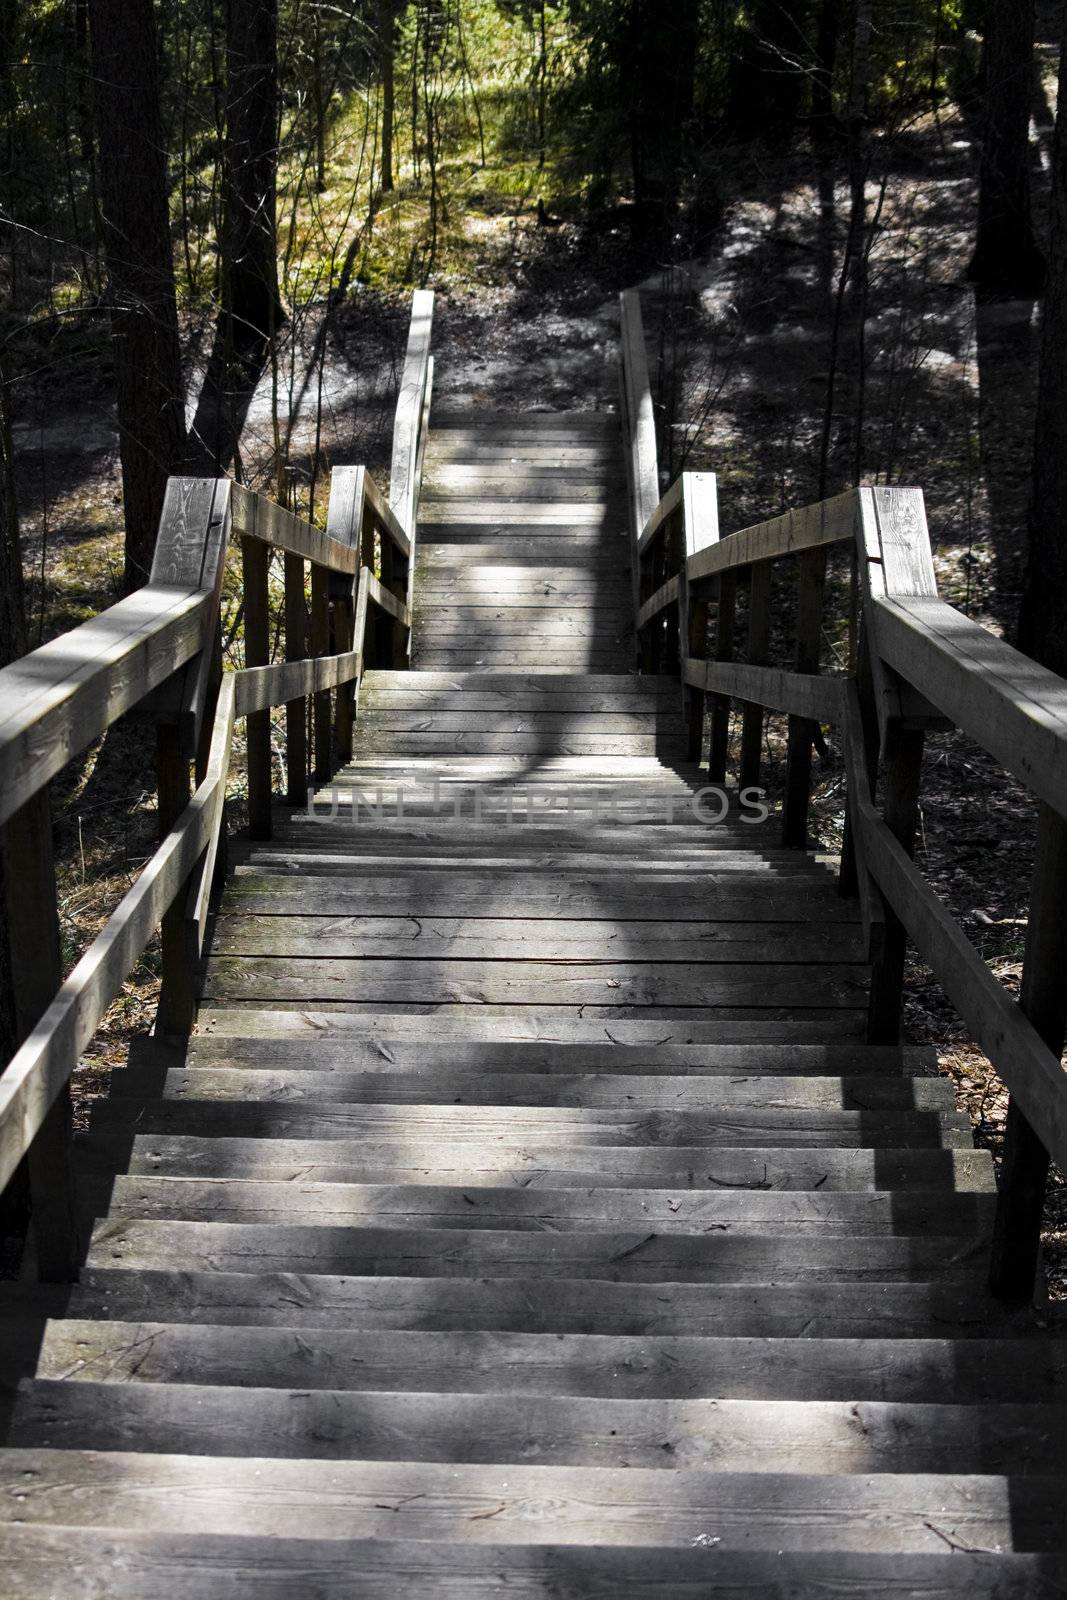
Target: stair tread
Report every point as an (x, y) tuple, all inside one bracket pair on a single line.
[(186, 1566)]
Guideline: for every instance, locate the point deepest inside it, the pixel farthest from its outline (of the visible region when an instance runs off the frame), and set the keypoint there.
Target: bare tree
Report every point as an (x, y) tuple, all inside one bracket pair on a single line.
[(137, 243)]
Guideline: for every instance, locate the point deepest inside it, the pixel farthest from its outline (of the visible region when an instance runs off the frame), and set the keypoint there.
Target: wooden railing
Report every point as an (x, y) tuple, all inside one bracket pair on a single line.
[(914, 664), (158, 652)]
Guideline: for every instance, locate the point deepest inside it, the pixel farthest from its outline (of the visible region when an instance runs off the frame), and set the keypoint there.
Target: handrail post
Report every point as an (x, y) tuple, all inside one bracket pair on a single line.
[(36, 973), (176, 1006), (902, 753), (700, 527), (296, 649), (410, 426), (1043, 997), (759, 639), (894, 559), (639, 425), (346, 518), (811, 582), (255, 567), (725, 612), (320, 646), (194, 534)]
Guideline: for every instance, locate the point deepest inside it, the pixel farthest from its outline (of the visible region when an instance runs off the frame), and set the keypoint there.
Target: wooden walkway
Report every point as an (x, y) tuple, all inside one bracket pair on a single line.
[(527, 1215)]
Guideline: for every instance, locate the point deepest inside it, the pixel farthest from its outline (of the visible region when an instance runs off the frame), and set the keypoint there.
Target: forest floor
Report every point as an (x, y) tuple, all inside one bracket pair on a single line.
[(527, 319)]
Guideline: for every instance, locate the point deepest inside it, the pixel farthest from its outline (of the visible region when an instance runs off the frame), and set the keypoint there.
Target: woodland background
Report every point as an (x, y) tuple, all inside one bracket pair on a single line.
[(848, 219)]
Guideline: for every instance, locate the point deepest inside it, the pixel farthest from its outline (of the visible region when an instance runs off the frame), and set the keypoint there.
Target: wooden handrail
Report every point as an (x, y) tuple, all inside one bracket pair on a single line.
[(42, 1066), (924, 665), (256, 517), (1011, 706), (814, 527), (160, 650), (60, 698)]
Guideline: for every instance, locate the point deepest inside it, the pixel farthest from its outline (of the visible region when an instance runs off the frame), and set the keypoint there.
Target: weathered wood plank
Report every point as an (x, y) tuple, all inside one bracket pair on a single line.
[(639, 1255), (812, 527), (535, 1208), (745, 1126), (557, 939), (285, 681), (473, 1055), (738, 1435), (650, 1514), (145, 1566), (812, 1311), (901, 1371), (61, 697), (256, 517), (796, 693), (551, 1166), (1008, 704), (607, 1091)]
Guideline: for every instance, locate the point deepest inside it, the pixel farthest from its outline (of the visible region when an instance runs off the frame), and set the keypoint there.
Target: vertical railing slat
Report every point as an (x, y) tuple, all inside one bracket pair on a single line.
[(756, 652), (811, 582), (255, 568), (296, 739)]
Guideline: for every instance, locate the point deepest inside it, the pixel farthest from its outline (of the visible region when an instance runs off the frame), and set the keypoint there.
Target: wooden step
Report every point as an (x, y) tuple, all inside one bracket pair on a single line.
[(730, 1436), (744, 896), (635, 1255), (532, 1506), (226, 1567), (186, 1566), (517, 1024), (559, 940), (957, 1309), (477, 1055), (545, 681), (606, 1091), (805, 1214), (529, 983), (586, 1366), (575, 1127), (504, 1160)]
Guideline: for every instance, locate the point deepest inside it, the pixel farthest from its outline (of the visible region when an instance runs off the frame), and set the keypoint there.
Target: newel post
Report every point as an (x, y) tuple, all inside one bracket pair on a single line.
[(895, 561), (700, 527), (194, 534), (344, 522)]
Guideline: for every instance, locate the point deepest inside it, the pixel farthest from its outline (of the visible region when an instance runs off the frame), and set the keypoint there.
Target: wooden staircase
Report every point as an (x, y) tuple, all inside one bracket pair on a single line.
[(526, 1215)]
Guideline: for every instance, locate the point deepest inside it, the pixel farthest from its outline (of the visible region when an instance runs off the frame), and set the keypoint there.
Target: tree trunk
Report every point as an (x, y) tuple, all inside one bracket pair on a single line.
[(250, 296), (769, 69), (827, 40), (144, 316), (12, 588), (1043, 617), (658, 82), (387, 55), (1007, 263)]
